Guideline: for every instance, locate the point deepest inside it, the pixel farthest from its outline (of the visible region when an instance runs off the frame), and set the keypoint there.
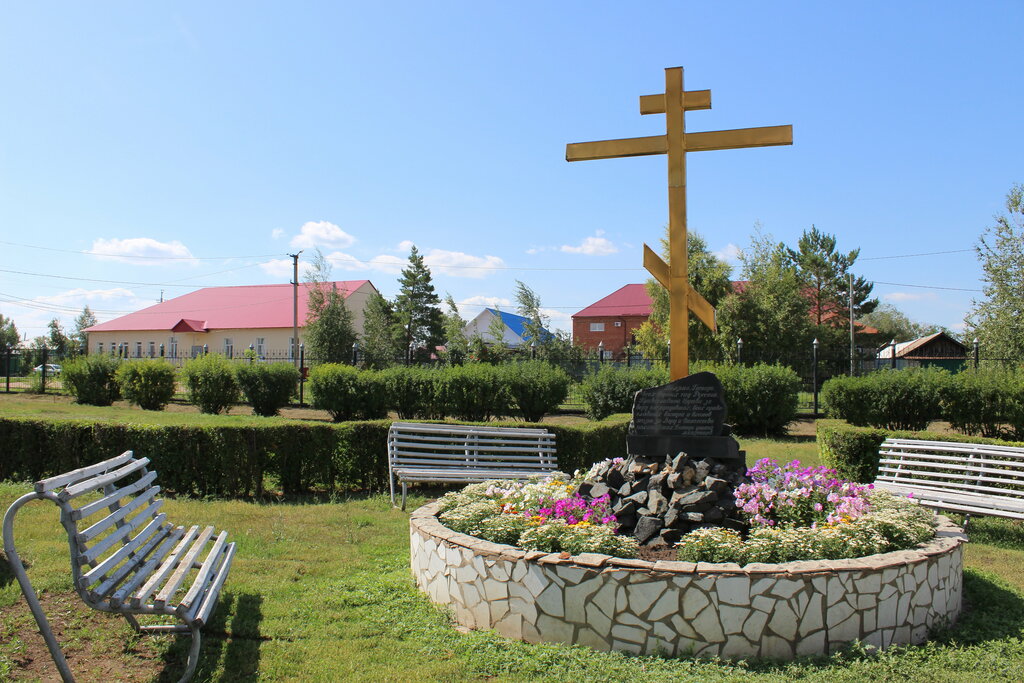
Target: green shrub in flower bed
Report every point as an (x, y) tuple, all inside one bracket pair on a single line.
[(211, 383), (760, 399), (793, 513), (611, 389), (347, 393), (544, 514), (986, 402)]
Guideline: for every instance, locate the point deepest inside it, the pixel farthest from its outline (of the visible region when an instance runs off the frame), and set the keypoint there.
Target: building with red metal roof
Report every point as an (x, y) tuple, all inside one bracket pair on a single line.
[(224, 320), (612, 320)]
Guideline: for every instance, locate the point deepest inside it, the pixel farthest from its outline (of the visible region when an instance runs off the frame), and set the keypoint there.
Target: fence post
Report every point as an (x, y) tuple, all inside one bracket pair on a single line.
[(206, 350), (43, 373), (976, 357), (161, 350), (302, 374), (739, 351), (7, 370), (600, 351), (355, 353), (814, 374)]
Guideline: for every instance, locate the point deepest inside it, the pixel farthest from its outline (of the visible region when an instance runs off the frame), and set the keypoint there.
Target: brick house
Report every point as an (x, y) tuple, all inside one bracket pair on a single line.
[(612, 320)]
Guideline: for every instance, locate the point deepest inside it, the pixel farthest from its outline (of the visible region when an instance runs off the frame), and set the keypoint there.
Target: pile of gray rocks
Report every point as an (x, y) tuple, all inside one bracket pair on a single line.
[(657, 500)]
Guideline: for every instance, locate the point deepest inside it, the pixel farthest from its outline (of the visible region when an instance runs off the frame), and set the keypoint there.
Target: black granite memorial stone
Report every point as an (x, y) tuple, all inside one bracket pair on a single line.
[(686, 415)]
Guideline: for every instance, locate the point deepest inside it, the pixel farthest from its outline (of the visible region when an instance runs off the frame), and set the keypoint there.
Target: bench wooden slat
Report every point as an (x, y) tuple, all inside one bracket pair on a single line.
[(133, 563), (44, 485), (945, 483), (202, 610), (93, 553), (957, 460), (119, 514), (164, 569), (100, 481), (941, 472), (106, 501), (400, 427), (199, 584), (91, 576), (951, 446), (184, 567), (483, 459), (978, 500)]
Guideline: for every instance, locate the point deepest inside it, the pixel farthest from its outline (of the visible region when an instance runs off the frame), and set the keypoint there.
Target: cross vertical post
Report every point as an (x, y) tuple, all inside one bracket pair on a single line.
[(674, 276)]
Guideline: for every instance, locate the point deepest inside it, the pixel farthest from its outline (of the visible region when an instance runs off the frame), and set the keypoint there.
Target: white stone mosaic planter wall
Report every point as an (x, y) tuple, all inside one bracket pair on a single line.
[(680, 608)]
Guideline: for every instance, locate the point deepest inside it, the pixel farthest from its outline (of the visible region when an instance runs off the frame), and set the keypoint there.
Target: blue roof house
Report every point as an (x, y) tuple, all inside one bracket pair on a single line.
[(514, 328)]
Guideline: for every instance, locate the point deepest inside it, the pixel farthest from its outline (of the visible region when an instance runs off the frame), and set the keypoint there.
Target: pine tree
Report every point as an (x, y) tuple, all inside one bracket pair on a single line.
[(329, 334), (825, 273), (85, 320), (56, 340), (416, 308)]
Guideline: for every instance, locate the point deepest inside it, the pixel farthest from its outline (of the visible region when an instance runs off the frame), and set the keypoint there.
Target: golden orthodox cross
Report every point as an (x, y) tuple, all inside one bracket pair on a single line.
[(676, 142)]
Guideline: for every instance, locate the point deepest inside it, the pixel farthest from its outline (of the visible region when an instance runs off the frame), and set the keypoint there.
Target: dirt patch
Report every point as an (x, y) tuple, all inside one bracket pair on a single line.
[(98, 646)]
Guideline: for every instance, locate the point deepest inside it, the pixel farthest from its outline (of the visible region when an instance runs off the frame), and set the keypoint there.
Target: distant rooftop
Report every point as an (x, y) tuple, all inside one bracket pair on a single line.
[(223, 308), (627, 300)]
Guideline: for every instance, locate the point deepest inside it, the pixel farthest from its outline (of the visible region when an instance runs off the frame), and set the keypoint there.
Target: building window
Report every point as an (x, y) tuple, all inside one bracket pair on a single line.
[(229, 347), (260, 341), (152, 349), (138, 349), (618, 323), (597, 327), (172, 347)]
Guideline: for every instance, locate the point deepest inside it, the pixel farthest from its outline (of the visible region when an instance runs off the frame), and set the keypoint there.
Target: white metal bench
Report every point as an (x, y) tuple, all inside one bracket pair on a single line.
[(126, 558), (443, 453), (974, 479)]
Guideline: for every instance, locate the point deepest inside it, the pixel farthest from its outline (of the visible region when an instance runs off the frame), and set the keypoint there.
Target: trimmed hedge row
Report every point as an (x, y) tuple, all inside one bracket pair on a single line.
[(987, 402), (853, 451), (231, 461)]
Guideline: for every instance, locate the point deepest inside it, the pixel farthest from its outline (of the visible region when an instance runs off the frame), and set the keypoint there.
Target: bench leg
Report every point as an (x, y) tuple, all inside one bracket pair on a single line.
[(404, 486), (14, 560), (193, 656)]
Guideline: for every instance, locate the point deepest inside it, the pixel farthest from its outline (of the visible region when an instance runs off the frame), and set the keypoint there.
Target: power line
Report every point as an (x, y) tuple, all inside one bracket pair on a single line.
[(131, 256), (927, 253), (901, 284)]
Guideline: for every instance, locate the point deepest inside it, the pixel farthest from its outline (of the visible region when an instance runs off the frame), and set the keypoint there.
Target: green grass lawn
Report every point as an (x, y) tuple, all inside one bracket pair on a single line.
[(321, 591)]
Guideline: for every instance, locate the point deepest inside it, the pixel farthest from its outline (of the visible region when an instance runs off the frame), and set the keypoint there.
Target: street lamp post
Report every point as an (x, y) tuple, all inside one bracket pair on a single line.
[(814, 374), (739, 351)]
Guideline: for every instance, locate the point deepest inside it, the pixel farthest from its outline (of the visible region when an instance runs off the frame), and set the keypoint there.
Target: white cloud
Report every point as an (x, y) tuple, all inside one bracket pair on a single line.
[(597, 245), (907, 296), (278, 268), (460, 264), (470, 307), (385, 263), (31, 316), (321, 234), (730, 253), (277, 233), (142, 251), (559, 320)]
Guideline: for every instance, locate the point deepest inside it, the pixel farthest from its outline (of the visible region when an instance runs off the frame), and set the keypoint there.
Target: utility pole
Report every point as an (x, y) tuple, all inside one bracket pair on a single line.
[(295, 308), (851, 324)]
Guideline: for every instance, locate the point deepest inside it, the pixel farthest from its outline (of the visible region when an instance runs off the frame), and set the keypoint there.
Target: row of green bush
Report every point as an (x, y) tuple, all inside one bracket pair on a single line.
[(475, 393), (986, 402), (853, 451), (213, 383), (760, 399), (235, 460)]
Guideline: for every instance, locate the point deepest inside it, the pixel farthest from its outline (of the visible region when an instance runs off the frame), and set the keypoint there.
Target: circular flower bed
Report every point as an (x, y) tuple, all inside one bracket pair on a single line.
[(540, 562)]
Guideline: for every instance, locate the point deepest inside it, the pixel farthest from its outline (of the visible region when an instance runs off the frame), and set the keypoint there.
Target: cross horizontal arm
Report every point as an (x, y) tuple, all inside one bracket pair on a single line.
[(692, 100), (766, 136), (611, 149)]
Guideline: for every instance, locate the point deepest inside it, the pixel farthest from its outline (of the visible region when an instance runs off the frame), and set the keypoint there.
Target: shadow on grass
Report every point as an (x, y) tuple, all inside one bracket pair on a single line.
[(235, 650), (6, 574)]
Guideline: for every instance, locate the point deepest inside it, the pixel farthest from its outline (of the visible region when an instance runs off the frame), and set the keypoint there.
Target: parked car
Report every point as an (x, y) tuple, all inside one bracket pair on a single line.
[(51, 369)]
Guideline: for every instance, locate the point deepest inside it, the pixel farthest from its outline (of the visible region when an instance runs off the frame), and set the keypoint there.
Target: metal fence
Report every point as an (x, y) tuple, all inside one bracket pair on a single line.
[(40, 370)]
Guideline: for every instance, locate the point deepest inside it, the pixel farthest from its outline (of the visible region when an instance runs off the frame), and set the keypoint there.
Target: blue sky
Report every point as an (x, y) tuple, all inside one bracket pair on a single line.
[(225, 135)]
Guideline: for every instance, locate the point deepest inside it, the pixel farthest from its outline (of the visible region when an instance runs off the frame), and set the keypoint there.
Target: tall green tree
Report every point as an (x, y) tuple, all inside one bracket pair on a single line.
[(997, 320), (9, 337), (770, 312), (85, 320), (893, 323), (381, 343), (709, 275), (416, 308), (456, 344), (56, 340), (528, 305), (329, 331), (825, 273)]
